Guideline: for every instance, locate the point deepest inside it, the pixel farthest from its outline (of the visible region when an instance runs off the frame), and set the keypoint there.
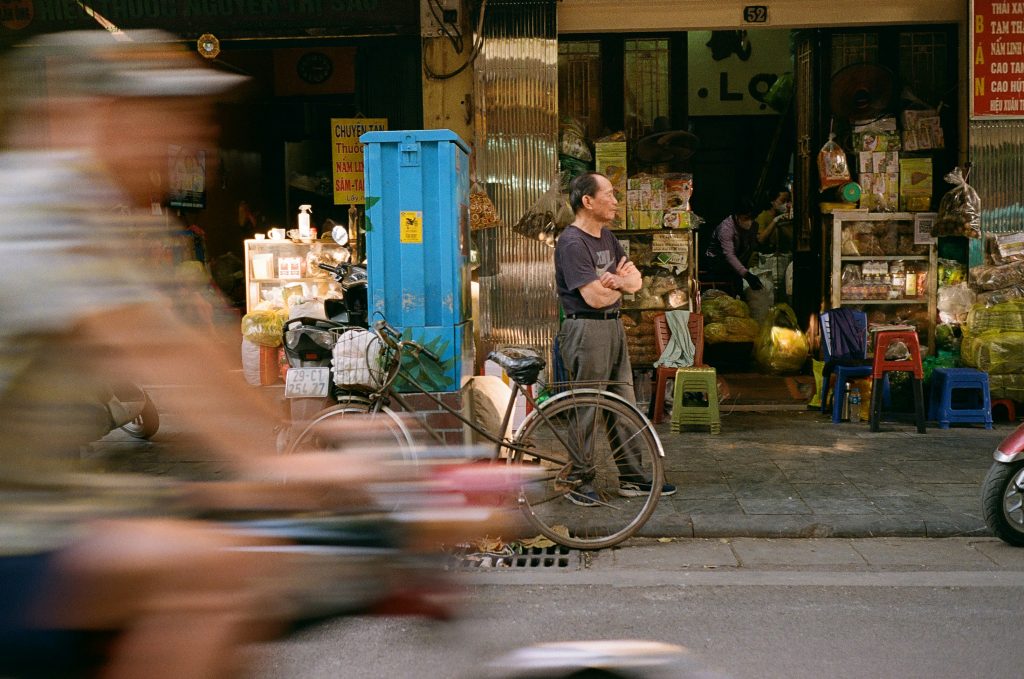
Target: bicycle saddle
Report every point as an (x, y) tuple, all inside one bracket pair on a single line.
[(522, 364)]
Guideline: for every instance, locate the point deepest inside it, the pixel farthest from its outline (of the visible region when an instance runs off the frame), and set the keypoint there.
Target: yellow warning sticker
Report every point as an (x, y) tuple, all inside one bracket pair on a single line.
[(411, 229)]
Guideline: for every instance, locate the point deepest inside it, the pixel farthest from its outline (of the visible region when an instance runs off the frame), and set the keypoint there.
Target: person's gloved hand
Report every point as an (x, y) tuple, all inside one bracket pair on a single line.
[(752, 280)]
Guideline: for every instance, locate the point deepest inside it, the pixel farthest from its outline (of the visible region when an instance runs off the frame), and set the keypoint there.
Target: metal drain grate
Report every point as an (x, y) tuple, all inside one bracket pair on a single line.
[(554, 556)]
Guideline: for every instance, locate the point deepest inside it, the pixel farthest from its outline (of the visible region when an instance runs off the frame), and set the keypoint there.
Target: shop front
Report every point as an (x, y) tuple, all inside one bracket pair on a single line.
[(708, 107)]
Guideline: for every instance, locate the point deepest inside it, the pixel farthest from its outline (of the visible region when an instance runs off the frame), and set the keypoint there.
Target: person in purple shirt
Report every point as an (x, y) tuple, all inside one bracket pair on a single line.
[(730, 247)]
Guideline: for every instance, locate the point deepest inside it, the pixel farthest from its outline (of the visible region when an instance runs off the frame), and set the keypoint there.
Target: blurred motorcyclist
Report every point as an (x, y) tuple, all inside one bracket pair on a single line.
[(95, 561)]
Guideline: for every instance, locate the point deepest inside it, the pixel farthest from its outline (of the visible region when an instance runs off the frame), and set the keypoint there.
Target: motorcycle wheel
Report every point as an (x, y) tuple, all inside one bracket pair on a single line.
[(1002, 501), (146, 424)]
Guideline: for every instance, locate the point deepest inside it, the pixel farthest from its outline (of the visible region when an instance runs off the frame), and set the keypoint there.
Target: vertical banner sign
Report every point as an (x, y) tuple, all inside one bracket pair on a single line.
[(997, 59), (347, 157)]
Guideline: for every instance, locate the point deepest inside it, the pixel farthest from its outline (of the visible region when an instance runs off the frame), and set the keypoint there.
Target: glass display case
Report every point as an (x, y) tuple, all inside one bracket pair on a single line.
[(271, 266), (883, 264)]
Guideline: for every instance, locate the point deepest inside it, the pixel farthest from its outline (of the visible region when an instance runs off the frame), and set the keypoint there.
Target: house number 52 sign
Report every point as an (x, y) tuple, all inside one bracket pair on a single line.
[(755, 14)]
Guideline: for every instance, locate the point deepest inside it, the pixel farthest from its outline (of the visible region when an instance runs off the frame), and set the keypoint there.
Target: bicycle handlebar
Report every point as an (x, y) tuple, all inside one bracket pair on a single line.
[(393, 339)]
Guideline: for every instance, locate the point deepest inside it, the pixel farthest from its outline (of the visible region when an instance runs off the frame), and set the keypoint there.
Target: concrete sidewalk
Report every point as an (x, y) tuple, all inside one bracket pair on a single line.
[(789, 473), (795, 474)]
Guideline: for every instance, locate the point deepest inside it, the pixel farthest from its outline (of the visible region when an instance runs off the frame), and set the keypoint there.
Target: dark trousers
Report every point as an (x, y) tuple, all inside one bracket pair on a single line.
[(595, 350)]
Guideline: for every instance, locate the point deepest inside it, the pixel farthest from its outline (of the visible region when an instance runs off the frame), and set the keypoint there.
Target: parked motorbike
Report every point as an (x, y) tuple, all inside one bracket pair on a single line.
[(130, 408), (1002, 492), (309, 344)]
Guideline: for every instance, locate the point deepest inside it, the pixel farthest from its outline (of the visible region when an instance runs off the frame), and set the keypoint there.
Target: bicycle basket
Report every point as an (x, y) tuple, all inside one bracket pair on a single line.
[(357, 360)]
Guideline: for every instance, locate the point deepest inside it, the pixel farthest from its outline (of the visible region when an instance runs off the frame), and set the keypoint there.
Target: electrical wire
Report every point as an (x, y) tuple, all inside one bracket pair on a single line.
[(478, 43), (456, 40)]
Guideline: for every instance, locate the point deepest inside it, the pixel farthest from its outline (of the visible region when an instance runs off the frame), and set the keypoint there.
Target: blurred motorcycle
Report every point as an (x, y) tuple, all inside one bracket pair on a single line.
[(1002, 492), (130, 408)]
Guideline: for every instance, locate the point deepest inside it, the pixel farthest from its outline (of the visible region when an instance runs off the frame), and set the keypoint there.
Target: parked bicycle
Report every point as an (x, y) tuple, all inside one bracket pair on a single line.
[(566, 437)]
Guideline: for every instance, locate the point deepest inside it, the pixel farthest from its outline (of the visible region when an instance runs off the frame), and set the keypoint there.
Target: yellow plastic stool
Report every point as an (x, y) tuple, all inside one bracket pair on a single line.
[(696, 380)]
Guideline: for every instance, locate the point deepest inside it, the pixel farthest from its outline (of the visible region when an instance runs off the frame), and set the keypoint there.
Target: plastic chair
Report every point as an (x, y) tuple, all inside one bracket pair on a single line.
[(850, 364), (913, 365), (662, 335)]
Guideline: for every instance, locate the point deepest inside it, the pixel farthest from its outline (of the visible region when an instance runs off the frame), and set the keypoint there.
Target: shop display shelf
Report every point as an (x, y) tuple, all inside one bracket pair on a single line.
[(884, 258), (911, 300)]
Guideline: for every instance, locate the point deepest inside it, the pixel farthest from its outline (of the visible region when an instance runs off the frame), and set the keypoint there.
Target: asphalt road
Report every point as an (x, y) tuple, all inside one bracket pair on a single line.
[(745, 608)]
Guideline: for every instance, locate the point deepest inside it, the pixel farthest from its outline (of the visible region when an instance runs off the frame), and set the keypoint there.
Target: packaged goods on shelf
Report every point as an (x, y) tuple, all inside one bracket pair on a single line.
[(993, 297), (833, 169), (997, 277), (994, 351), (1006, 386), (922, 130), (915, 184), (1008, 316), (610, 160)]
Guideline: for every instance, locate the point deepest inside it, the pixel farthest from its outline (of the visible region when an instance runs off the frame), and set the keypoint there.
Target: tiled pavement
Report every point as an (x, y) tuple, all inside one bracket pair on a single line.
[(795, 474), (789, 473)]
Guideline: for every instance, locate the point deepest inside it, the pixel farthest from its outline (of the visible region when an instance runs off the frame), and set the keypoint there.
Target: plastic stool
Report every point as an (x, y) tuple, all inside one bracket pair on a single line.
[(942, 408), (882, 366), (701, 380), (1011, 408)]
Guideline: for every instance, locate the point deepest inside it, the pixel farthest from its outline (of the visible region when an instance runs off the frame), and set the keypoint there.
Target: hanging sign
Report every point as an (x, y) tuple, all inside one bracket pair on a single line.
[(997, 59), (347, 157)]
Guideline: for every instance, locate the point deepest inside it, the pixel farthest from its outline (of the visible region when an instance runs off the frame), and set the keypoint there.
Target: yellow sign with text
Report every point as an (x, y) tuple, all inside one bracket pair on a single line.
[(411, 227), (347, 157)]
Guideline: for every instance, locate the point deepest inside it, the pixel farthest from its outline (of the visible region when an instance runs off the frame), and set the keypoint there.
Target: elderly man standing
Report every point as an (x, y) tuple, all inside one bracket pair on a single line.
[(592, 273)]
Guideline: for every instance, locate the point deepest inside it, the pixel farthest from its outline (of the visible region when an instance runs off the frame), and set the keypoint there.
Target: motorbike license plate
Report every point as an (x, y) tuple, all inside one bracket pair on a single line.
[(307, 382)]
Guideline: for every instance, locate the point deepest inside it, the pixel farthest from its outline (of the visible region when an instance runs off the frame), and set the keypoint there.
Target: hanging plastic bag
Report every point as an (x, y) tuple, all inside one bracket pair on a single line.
[(264, 327), (832, 167), (482, 213), (781, 345), (959, 210), (550, 212)]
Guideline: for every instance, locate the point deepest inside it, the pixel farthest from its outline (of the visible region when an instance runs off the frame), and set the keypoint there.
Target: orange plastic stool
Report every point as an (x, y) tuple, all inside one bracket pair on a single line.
[(1011, 409), (912, 365)]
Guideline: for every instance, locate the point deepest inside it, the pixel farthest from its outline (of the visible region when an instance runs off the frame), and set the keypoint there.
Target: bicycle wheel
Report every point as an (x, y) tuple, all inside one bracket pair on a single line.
[(585, 443), (352, 425)]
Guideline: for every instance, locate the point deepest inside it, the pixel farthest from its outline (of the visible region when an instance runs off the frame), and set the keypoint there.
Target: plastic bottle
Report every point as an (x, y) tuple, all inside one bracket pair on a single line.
[(304, 211), (855, 405), (844, 412)]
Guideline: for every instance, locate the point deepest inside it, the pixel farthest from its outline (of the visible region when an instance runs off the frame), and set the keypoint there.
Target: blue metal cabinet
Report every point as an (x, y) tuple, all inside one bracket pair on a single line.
[(417, 238)]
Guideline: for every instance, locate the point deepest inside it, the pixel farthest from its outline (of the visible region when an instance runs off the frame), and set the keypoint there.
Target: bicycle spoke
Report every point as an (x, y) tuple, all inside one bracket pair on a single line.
[(587, 459)]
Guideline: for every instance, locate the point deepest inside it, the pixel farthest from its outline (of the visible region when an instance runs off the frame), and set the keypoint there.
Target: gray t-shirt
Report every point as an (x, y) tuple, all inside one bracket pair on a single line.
[(581, 258)]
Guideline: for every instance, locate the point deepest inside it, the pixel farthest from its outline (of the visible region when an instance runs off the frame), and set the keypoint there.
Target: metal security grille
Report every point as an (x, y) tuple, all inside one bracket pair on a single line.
[(647, 84), (923, 59), (517, 124), (997, 164), (579, 84), (853, 48)]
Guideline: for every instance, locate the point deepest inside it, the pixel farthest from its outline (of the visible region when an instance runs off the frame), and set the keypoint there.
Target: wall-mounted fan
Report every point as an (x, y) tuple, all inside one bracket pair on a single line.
[(862, 92)]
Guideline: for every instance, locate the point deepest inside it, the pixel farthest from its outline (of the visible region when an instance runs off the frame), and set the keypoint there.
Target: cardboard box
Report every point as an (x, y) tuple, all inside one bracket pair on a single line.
[(915, 184), (610, 160)]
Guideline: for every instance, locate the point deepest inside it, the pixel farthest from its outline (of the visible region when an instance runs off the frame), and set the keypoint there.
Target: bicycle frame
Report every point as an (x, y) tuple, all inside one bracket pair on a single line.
[(569, 389)]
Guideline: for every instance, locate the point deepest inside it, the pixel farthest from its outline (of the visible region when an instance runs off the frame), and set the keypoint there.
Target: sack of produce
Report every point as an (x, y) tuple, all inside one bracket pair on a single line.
[(264, 327), (959, 210), (717, 308), (781, 346), (550, 212)]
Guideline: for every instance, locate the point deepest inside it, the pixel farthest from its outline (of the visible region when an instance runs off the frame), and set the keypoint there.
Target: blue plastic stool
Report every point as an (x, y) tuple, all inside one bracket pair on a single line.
[(973, 404)]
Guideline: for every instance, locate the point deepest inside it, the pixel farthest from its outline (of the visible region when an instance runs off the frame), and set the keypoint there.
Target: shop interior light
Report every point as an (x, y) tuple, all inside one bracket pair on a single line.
[(208, 45)]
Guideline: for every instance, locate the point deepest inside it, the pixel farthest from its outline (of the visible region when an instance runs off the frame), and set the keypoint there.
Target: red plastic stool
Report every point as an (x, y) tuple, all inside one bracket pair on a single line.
[(912, 365), (1011, 409)]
